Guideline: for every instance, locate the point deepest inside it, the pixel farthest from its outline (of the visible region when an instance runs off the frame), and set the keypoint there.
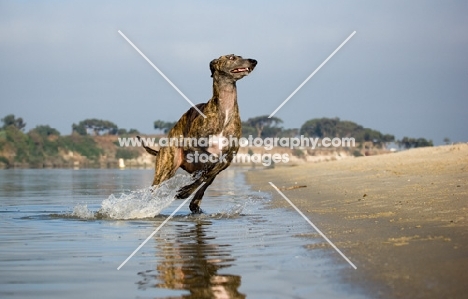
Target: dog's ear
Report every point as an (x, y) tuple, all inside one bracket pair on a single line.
[(212, 66)]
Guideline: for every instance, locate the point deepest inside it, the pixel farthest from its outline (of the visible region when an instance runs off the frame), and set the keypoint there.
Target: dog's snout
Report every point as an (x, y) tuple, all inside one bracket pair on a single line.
[(253, 61)]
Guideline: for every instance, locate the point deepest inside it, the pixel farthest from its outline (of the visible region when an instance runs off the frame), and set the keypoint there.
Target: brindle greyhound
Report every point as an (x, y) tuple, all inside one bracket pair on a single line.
[(222, 120)]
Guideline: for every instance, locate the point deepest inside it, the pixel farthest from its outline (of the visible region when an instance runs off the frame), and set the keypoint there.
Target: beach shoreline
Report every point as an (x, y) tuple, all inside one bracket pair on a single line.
[(400, 217)]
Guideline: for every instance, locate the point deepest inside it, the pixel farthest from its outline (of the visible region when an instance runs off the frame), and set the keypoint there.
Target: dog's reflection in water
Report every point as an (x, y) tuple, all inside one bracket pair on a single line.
[(190, 260)]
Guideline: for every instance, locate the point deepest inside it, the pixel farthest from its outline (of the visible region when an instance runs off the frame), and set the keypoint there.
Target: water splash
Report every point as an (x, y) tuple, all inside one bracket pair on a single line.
[(138, 204), (245, 205), (82, 212)]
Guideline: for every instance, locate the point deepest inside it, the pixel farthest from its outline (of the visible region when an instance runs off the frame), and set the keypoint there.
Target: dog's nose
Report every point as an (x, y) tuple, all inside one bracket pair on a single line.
[(253, 61)]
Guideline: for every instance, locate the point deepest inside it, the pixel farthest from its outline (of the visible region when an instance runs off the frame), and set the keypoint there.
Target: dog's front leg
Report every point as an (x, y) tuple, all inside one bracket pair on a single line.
[(206, 176)]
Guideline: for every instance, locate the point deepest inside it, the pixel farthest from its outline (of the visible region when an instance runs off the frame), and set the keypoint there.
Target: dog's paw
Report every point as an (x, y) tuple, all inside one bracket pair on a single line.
[(183, 194), (185, 191), (196, 210)]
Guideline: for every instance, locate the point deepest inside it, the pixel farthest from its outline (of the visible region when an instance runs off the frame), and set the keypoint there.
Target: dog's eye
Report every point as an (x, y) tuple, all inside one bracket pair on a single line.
[(231, 57)]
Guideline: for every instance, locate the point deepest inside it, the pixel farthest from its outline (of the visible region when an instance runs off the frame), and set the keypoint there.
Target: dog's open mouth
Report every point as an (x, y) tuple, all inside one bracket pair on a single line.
[(241, 69)]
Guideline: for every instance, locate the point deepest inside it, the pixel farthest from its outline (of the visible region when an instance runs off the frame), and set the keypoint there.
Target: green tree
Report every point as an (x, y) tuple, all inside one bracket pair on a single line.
[(271, 131), (261, 123), (289, 133), (334, 127), (11, 120), (45, 131), (133, 132), (122, 132), (129, 132), (97, 126), (20, 143), (79, 129), (163, 125), (42, 147), (407, 142), (247, 129), (84, 145), (423, 142), (320, 127), (32, 148)]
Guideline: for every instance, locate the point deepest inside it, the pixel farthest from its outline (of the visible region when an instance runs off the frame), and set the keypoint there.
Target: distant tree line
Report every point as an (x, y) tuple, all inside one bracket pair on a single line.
[(44, 143), (96, 127), (408, 143), (164, 126), (334, 127), (263, 126)]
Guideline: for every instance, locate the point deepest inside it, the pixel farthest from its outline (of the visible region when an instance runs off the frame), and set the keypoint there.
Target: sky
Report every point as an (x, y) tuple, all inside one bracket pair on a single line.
[(404, 72)]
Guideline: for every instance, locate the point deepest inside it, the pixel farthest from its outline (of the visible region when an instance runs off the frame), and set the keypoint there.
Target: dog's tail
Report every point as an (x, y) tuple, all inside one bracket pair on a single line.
[(149, 150)]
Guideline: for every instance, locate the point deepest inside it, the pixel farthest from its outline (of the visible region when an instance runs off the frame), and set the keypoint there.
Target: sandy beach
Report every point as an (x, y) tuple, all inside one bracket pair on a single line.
[(401, 218)]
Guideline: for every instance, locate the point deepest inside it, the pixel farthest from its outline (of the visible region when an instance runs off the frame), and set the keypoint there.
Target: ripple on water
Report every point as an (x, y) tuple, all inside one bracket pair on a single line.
[(240, 247)]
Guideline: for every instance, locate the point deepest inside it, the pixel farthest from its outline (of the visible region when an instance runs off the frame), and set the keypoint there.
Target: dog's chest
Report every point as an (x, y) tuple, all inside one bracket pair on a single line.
[(228, 135), (226, 118)]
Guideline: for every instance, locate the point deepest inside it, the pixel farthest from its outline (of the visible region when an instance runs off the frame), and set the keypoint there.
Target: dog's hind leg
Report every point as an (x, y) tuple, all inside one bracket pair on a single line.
[(167, 162)]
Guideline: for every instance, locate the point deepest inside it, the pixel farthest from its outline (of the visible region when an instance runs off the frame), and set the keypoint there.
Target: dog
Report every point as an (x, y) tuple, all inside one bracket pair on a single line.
[(222, 120)]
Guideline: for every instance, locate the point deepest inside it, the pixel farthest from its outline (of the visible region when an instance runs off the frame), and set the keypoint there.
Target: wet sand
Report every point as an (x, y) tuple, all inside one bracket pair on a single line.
[(401, 218)]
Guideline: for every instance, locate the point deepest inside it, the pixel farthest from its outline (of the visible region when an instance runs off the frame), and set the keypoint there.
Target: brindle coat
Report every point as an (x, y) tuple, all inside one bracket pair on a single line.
[(222, 119)]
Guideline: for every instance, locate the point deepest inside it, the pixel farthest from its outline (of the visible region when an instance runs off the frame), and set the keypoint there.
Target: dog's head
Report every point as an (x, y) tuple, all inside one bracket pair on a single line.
[(232, 66)]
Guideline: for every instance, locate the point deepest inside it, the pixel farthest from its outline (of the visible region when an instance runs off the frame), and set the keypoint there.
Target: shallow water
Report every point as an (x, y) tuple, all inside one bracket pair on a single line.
[(55, 245)]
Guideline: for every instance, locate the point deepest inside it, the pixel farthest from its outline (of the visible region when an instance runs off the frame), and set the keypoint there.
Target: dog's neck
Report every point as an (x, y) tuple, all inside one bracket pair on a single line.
[(226, 93)]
